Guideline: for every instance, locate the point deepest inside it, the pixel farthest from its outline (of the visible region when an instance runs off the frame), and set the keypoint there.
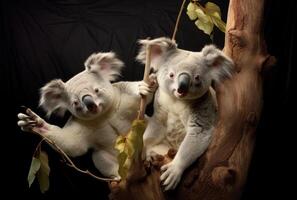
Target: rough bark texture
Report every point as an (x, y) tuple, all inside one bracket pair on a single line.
[(221, 172)]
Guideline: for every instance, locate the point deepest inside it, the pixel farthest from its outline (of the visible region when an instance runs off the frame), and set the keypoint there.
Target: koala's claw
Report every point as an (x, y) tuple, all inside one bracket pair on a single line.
[(171, 175), (145, 88), (31, 122)]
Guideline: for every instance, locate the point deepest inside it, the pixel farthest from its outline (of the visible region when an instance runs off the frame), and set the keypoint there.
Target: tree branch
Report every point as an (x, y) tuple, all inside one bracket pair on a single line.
[(66, 158)]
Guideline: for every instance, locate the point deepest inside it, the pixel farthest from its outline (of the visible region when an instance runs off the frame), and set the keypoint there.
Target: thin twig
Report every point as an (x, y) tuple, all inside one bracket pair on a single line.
[(38, 147), (178, 20), (145, 79), (66, 158)]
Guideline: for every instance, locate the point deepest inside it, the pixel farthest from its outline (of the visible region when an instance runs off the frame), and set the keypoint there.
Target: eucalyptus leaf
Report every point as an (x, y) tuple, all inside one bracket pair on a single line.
[(202, 16), (212, 8), (214, 12), (191, 11), (135, 136), (122, 157), (206, 17), (207, 28), (120, 143), (220, 24), (34, 168), (129, 147), (43, 173)]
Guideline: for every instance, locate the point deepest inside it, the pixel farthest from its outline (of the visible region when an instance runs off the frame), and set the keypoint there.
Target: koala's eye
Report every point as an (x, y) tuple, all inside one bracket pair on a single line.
[(75, 103), (197, 78), (96, 90), (171, 75)]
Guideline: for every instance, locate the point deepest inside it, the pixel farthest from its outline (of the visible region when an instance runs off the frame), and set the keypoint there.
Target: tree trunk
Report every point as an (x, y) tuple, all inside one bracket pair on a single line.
[(221, 172)]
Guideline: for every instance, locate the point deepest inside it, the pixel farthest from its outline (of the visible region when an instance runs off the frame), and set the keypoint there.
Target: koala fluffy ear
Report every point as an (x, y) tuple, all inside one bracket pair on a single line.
[(54, 97), (159, 47), (221, 67), (106, 64)]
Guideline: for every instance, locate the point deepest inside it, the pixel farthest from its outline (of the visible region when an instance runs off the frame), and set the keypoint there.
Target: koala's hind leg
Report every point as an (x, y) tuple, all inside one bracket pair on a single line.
[(106, 163)]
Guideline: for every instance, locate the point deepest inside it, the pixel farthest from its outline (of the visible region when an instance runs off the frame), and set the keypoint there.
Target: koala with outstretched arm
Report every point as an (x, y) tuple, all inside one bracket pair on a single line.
[(184, 108), (100, 111)]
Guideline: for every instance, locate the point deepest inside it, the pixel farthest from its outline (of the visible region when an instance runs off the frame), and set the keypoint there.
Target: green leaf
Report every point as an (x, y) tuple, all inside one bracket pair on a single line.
[(191, 11), (214, 12), (127, 166), (206, 17), (34, 167), (202, 15), (120, 143), (205, 27), (43, 173), (135, 136), (212, 9), (123, 171), (130, 147), (219, 23)]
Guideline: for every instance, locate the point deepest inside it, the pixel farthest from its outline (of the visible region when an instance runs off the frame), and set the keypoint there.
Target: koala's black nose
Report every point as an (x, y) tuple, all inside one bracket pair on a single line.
[(183, 83), (89, 102)]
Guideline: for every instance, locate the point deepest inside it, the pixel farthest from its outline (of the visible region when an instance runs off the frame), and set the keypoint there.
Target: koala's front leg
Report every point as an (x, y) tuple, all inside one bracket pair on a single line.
[(70, 138), (194, 144)]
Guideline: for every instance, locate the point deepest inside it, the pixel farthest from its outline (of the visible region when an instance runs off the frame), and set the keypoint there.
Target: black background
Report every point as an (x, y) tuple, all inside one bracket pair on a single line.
[(42, 40)]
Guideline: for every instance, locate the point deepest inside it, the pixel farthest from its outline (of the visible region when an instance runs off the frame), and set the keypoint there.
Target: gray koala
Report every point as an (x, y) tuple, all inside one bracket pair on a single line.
[(100, 111), (184, 107)]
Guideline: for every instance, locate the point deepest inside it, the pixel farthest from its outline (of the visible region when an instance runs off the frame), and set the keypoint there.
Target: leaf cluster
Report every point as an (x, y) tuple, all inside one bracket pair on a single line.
[(206, 17)]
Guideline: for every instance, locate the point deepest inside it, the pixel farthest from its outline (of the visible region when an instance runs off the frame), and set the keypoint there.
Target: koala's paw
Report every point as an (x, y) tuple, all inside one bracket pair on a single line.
[(146, 89), (171, 175), (153, 159), (31, 122)]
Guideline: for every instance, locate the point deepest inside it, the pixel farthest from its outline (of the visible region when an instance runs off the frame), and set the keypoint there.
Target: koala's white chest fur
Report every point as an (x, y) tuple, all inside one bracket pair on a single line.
[(175, 131), (173, 113)]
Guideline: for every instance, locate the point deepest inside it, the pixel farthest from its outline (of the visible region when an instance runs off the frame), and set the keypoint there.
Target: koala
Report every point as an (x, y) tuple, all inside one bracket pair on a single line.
[(184, 107), (100, 111)]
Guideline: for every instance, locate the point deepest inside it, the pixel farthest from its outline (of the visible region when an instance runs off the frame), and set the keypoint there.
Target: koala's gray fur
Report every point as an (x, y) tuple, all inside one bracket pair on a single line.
[(184, 109), (100, 111)]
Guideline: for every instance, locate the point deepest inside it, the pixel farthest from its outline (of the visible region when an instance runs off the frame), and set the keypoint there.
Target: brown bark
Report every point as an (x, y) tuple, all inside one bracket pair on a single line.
[(221, 172)]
